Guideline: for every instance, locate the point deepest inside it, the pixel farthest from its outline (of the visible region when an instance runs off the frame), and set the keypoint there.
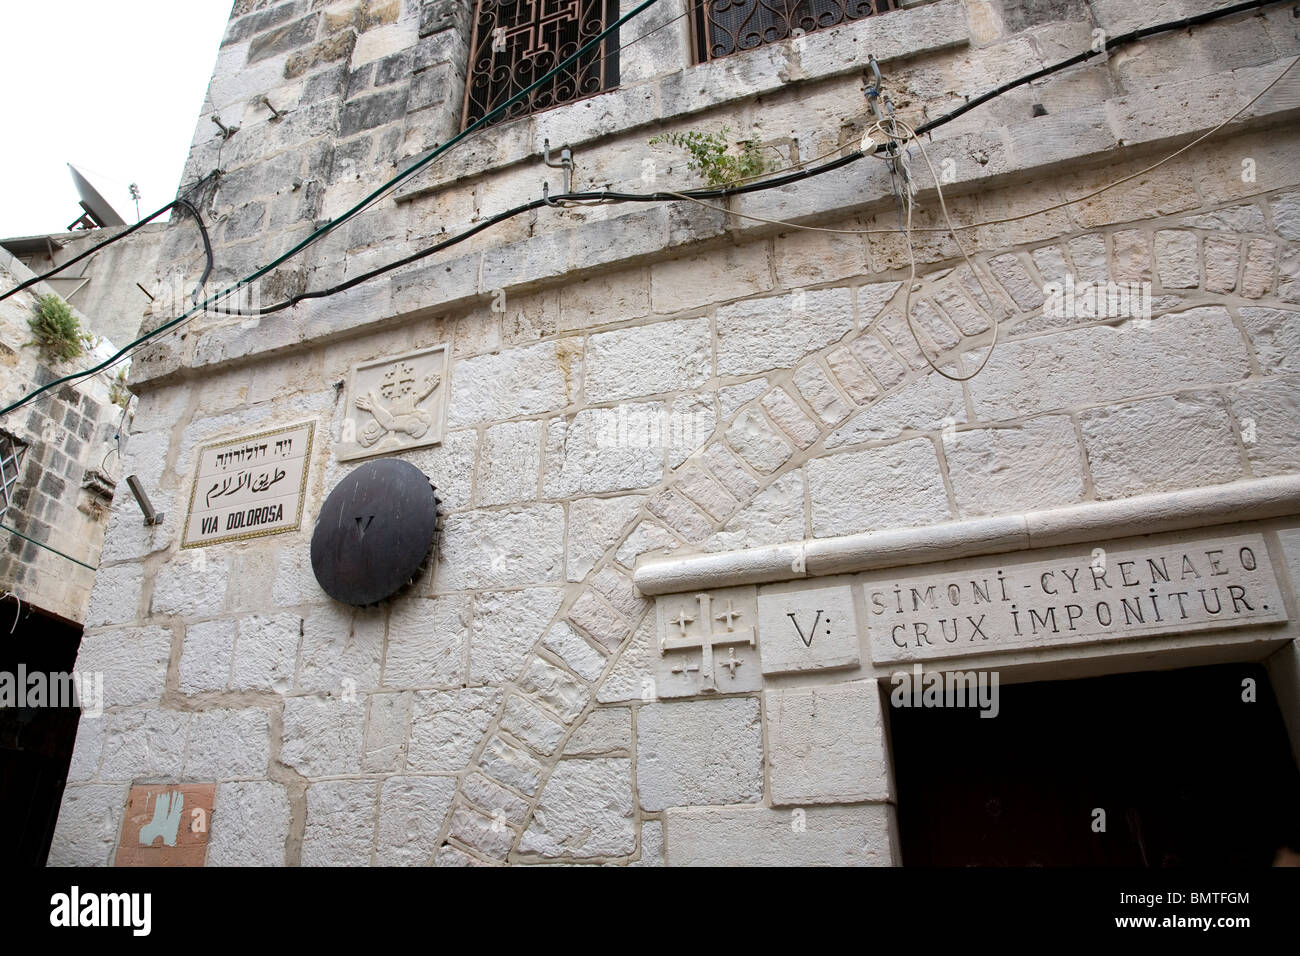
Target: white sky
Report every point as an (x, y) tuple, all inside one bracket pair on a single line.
[(111, 86)]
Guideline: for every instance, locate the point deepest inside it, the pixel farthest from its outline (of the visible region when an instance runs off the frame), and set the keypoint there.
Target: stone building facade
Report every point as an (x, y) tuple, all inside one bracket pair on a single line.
[(673, 442)]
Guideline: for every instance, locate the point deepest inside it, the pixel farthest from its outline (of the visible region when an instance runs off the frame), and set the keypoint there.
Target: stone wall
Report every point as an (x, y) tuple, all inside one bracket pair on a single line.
[(632, 382), (69, 468)]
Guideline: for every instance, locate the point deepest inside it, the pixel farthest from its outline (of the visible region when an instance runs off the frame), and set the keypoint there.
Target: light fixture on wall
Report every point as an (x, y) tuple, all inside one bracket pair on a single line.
[(151, 517)]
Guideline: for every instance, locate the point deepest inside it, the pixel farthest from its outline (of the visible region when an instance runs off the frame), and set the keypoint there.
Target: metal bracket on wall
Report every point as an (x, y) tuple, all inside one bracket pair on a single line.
[(565, 163)]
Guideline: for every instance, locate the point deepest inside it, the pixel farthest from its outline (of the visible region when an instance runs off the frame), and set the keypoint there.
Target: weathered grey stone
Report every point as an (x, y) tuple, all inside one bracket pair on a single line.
[(340, 823), (1275, 334), (1197, 445), (774, 516), (144, 743), (89, 822), (757, 442), (411, 811), (826, 744), (648, 360), (508, 463), (1062, 370), (446, 726), (555, 688), (818, 836), (426, 642), (518, 381), (528, 723), (586, 810), (115, 597), (291, 35), (699, 752), (606, 449), (506, 626), (894, 487), (595, 525), (603, 730), (930, 403), (341, 647), (519, 546), (228, 743), (1267, 413), (250, 824), (680, 514), (1009, 470), (579, 654), (389, 720), (266, 649), (323, 736), (133, 662), (512, 766), (761, 334)]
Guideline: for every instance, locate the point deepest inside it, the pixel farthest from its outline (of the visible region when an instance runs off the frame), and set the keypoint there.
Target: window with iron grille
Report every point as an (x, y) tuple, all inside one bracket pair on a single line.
[(723, 27), (12, 450), (516, 42)]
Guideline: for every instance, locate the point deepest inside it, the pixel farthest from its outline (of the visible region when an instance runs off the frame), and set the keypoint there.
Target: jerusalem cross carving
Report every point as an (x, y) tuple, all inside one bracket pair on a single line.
[(708, 644)]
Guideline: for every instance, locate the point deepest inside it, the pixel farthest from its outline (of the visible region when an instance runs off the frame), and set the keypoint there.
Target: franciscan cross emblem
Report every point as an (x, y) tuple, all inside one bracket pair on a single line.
[(731, 637)]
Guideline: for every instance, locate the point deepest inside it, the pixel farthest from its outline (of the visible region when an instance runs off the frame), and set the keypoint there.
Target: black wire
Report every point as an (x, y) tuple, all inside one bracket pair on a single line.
[(121, 235), (207, 245), (785, 180), (716, 193)]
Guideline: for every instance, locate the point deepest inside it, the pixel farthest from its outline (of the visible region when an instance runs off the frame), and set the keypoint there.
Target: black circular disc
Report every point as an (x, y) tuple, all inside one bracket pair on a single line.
[(374, 532)]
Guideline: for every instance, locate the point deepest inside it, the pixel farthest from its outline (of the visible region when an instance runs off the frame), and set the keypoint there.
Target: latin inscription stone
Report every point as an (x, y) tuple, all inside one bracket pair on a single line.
[(249, 487), (808, 630), (394, 404), (1080, 595)]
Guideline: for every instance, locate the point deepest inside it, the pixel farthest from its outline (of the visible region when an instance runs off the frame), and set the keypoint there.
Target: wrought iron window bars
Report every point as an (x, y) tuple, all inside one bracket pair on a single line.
[(515, 42), (722, 27)]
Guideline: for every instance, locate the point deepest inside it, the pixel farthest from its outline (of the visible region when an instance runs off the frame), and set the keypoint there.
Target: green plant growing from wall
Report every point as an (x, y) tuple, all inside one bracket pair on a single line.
[(711, 155), (56, 331)]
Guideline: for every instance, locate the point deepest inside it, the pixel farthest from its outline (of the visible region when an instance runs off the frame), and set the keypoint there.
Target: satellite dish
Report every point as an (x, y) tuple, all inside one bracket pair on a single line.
[(99, 212)]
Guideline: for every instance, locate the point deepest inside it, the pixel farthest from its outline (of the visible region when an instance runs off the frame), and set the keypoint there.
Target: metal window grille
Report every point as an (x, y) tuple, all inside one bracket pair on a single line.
[(516, 42), (12, 450), (723, 27)]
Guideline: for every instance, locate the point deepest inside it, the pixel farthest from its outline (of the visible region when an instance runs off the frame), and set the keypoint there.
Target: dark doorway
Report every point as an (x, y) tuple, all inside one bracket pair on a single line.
[(35, 742), (1188, 774)]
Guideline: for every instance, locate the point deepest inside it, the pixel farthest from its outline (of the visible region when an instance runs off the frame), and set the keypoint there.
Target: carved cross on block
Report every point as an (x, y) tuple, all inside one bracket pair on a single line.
[(707, 641)]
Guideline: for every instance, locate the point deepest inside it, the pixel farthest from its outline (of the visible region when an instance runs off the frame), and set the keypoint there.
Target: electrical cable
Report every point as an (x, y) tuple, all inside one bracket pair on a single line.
[(41, 544), (108, 242), (695, 195), (344, 217)]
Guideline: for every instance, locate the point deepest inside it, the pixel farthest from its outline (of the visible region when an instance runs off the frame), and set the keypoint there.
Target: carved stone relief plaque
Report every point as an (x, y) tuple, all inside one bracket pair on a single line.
[(395, 404)]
